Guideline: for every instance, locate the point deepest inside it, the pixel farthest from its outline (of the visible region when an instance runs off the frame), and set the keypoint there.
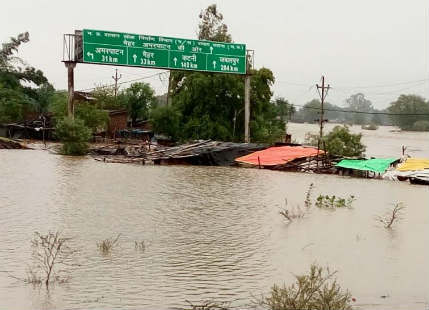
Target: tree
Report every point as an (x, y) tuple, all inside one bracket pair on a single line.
[(138, 97), (15, 98), (166, 120), (211, 105), (310, 112), (74, 135), (339, 142), (406, 105), (359, 103), (211, 26)]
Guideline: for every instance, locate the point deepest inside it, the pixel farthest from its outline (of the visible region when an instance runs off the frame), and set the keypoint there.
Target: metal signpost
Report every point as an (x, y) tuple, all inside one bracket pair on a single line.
[(126, 49), (136, 50)]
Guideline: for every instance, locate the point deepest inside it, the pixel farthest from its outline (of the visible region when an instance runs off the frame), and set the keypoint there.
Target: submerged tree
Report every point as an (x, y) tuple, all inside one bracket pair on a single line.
[(410, 112), (339, 142)]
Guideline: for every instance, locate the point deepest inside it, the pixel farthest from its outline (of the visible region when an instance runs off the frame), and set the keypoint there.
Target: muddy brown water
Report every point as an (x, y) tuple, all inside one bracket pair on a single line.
[(210, 233)]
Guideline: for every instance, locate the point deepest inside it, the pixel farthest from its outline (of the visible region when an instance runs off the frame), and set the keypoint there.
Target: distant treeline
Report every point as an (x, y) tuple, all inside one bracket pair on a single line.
[(408, 112)]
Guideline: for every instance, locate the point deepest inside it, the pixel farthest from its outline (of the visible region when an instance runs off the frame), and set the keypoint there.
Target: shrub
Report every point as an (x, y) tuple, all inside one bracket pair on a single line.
[(317, 290), (339, 142), (421, 126), (106, 245), (166, 120), (74, 135), (333, 202)]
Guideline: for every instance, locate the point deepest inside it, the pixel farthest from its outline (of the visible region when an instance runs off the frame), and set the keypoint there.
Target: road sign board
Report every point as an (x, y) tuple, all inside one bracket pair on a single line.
[(115, 48)]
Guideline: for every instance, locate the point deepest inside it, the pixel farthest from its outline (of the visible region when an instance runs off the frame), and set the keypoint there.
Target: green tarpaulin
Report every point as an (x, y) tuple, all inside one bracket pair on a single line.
[(375, 164)]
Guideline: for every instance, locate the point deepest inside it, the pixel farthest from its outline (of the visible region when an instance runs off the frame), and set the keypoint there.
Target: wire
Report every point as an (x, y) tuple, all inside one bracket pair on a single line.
[(362, 112), (124, 82)]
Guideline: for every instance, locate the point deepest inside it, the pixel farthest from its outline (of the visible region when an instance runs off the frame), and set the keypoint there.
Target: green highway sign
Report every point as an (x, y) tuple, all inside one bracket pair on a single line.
[(115, 48)]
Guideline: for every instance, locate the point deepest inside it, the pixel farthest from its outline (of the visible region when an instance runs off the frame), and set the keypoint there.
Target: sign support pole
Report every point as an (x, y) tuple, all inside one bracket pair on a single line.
[(246, 108), (70, 65)]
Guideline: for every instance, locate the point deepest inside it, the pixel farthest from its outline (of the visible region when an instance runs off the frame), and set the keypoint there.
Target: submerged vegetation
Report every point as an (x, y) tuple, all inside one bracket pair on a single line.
[(317, 290), (392, 216), (333, 202), (51, 252), (106, 246), (339, 142)]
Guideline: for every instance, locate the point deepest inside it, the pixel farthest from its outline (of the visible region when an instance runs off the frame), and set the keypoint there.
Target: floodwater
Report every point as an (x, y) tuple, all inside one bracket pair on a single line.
[(211, 233)]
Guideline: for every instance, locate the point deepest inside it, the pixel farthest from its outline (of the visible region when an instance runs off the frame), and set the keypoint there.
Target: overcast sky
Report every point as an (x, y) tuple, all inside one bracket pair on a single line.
[(378, 47)]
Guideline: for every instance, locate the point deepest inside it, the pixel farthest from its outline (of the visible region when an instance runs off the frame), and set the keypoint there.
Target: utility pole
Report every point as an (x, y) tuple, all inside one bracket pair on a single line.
[(116, 78), (323, 92), (322, 95), (247, 101)]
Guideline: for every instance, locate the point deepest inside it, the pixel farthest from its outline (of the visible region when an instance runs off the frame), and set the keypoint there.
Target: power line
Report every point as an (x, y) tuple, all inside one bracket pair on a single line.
[(124, 82), (362, 112)]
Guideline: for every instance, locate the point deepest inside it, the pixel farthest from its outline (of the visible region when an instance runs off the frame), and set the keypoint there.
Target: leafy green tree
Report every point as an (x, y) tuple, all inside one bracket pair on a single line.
[(74, 135), (166, 120), (339, 142), (106, 100), (15, 98), (139, 97), (310, 112), (211, 105), (359, 103), (93, 117), (406, 105)]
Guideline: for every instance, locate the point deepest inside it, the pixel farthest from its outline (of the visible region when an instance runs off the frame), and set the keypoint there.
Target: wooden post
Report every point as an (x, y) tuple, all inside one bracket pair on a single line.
[(70, 75)]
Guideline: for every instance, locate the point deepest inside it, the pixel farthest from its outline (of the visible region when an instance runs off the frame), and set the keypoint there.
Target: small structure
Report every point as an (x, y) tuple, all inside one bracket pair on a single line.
[(281, 157), (117, 122), (416, 170), (375, 165)]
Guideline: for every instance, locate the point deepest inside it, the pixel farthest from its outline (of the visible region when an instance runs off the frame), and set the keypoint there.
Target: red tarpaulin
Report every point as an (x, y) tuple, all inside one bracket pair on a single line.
[(278, 155)]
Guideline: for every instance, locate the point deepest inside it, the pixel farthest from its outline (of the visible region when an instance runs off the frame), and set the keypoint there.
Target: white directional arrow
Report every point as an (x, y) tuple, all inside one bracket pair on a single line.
[(89, 54), (214, 64), (135, 58), (211, 49), (175, 61)]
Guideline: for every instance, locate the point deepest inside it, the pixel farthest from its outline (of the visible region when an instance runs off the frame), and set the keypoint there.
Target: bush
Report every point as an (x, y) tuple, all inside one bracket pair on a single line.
[(339, 142), (166, 120), (421, 126), (317, 290), (333, 202), (74, 135)]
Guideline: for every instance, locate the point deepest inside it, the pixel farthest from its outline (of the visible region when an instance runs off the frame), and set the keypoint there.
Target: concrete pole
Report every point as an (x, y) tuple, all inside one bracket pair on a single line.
[(70, 75), (247, 108)]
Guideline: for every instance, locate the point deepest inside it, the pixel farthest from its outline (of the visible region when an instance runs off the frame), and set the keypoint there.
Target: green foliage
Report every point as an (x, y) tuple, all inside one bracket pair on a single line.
[(421, 126), (74, 135), (211, 105), (16, 99), (106, 100), (166, 120), (317, 290), (339, 142), (409, 104), (333, 202), (211, 26), (359, 103), (139, 97), (93, 118)]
